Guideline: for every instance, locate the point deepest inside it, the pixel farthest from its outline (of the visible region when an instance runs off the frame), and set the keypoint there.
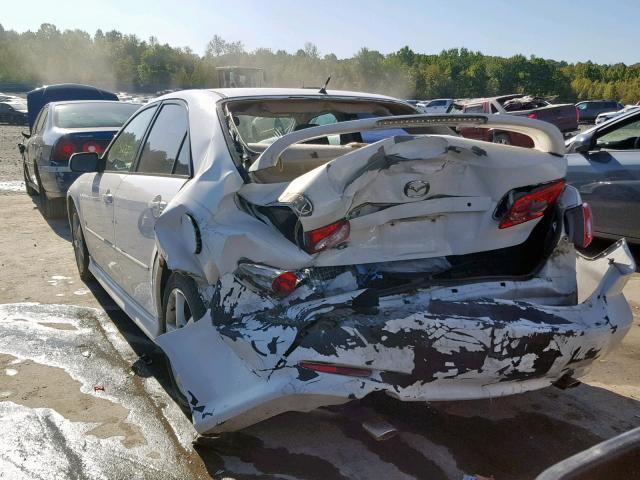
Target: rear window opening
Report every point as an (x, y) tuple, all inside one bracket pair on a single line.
[(93, 114), (256, 124)]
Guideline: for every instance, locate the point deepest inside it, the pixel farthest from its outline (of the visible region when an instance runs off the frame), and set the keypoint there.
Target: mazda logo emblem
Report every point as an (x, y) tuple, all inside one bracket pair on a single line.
[(416, 189)]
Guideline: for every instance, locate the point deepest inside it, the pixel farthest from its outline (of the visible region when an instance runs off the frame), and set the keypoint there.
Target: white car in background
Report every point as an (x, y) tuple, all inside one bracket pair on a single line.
[(289, 249), (603, 117), (439, 105)]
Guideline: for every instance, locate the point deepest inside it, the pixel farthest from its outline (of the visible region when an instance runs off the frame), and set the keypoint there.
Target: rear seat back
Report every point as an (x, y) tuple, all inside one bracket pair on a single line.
[(297, 160)]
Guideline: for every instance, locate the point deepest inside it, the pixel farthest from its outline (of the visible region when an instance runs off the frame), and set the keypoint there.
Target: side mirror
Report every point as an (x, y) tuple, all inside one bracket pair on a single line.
[(26, 135), (582, 143), (84, 162)]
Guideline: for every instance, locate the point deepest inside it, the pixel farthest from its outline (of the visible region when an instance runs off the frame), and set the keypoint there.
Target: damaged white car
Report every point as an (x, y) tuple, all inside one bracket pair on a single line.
[(290, 249)]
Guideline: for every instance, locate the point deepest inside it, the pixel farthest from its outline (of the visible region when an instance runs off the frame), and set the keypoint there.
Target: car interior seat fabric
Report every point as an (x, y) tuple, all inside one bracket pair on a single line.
[(298, 160)]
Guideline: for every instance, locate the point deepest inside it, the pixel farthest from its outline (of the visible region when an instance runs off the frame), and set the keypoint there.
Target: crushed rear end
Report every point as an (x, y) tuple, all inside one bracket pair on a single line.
[(427, 267)]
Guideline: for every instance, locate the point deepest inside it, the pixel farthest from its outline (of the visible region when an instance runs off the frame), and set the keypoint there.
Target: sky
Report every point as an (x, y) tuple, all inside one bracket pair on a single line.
[(603, 32)]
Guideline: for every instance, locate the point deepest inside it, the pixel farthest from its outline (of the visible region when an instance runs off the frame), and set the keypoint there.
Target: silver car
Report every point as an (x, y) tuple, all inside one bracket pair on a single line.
[(604, 165)]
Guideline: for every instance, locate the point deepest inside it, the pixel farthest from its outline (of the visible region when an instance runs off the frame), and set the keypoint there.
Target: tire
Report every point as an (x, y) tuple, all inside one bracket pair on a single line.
[(51, 207), (181, 303), (27, 183), (80, 247), (502, 138)]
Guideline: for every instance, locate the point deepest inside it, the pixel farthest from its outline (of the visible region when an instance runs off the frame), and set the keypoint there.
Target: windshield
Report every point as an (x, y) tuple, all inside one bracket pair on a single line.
[(93, 114)]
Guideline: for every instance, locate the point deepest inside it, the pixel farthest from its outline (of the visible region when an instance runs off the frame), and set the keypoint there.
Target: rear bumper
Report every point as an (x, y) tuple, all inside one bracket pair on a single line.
[(241, 365), (56, 180)]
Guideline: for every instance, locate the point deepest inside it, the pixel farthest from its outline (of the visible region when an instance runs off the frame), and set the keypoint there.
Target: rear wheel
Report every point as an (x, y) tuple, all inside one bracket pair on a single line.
[(181, 304), (502, 138), (80, 247), (51, 207)]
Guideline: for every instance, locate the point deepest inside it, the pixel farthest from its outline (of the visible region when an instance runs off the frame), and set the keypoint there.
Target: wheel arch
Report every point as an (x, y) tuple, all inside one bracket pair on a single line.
[(160, 275)]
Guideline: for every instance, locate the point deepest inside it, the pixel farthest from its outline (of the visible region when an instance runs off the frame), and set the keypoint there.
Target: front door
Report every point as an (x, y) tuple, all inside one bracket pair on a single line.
[(162, 170), (98, 206)]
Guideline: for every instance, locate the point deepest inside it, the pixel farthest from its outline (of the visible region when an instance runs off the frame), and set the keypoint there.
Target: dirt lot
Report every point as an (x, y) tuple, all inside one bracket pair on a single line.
[(83, 394)]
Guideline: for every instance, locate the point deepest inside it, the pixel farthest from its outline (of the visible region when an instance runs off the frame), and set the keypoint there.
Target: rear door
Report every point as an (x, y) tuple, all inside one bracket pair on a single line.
[(608, 178), (33, 146), (162, 169), (97, 199)]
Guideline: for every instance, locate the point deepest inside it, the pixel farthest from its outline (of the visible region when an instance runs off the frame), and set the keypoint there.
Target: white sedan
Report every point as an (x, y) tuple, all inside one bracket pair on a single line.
[(289, 249)]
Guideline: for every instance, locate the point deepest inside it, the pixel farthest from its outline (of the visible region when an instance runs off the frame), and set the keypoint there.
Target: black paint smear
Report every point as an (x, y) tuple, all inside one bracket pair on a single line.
[(501, 312), (273, 345), (305, 374), (429, 362), (253, 345)]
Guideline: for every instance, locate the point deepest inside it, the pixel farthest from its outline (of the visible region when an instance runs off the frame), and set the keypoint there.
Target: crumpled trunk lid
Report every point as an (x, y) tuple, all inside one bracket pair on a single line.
[(410, 197)]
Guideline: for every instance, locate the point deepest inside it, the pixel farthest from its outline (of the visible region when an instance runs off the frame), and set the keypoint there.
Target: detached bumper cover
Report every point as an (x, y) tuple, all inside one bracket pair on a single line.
[(241, 365)]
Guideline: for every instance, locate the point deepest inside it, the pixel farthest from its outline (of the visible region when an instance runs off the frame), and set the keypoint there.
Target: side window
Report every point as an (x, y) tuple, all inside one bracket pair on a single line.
[(582, 106), (42, 117), (474, 109), (122, 153), (4, 107), (493, 108), (183, 162), (625, 137), (326, 119), (163, 143)]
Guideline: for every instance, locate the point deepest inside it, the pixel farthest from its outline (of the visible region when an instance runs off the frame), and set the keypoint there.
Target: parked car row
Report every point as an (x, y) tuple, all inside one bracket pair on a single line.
[(64, 119), (588, 111), (13, 109), (290, 249)]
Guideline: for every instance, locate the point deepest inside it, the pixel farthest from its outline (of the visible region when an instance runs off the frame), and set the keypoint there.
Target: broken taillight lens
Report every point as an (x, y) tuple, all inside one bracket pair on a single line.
[(277, 282), (533, 116), (523, 207), (336, 369), (284, 284), (326, 237)]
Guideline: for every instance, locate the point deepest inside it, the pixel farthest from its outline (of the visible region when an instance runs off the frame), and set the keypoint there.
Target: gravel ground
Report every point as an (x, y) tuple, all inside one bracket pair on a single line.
[(10, 160)]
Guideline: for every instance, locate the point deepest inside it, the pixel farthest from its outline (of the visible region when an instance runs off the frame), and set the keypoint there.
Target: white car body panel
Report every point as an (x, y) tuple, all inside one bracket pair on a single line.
[(140, 200), (97, 206), (239, 362)]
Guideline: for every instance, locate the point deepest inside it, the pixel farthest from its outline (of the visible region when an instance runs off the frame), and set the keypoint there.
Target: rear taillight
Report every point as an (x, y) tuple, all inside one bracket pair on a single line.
[(533, 115), (93, 147), (284, 284), (274, 281), (523, 206), (326, 237), (336, 369), (587, 219), (64, 149), (66, 146), (579, 225)]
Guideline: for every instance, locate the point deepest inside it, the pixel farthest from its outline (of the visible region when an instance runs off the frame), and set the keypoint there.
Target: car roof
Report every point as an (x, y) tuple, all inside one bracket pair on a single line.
[(224, 93), (75, 102)]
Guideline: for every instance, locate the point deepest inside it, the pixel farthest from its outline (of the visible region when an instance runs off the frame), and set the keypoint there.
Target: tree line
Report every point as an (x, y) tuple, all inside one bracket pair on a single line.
[(125, 62)]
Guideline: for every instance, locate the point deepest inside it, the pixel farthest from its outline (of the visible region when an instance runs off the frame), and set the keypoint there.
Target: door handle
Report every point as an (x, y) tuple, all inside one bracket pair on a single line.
[(107, 197), (157, 205)]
